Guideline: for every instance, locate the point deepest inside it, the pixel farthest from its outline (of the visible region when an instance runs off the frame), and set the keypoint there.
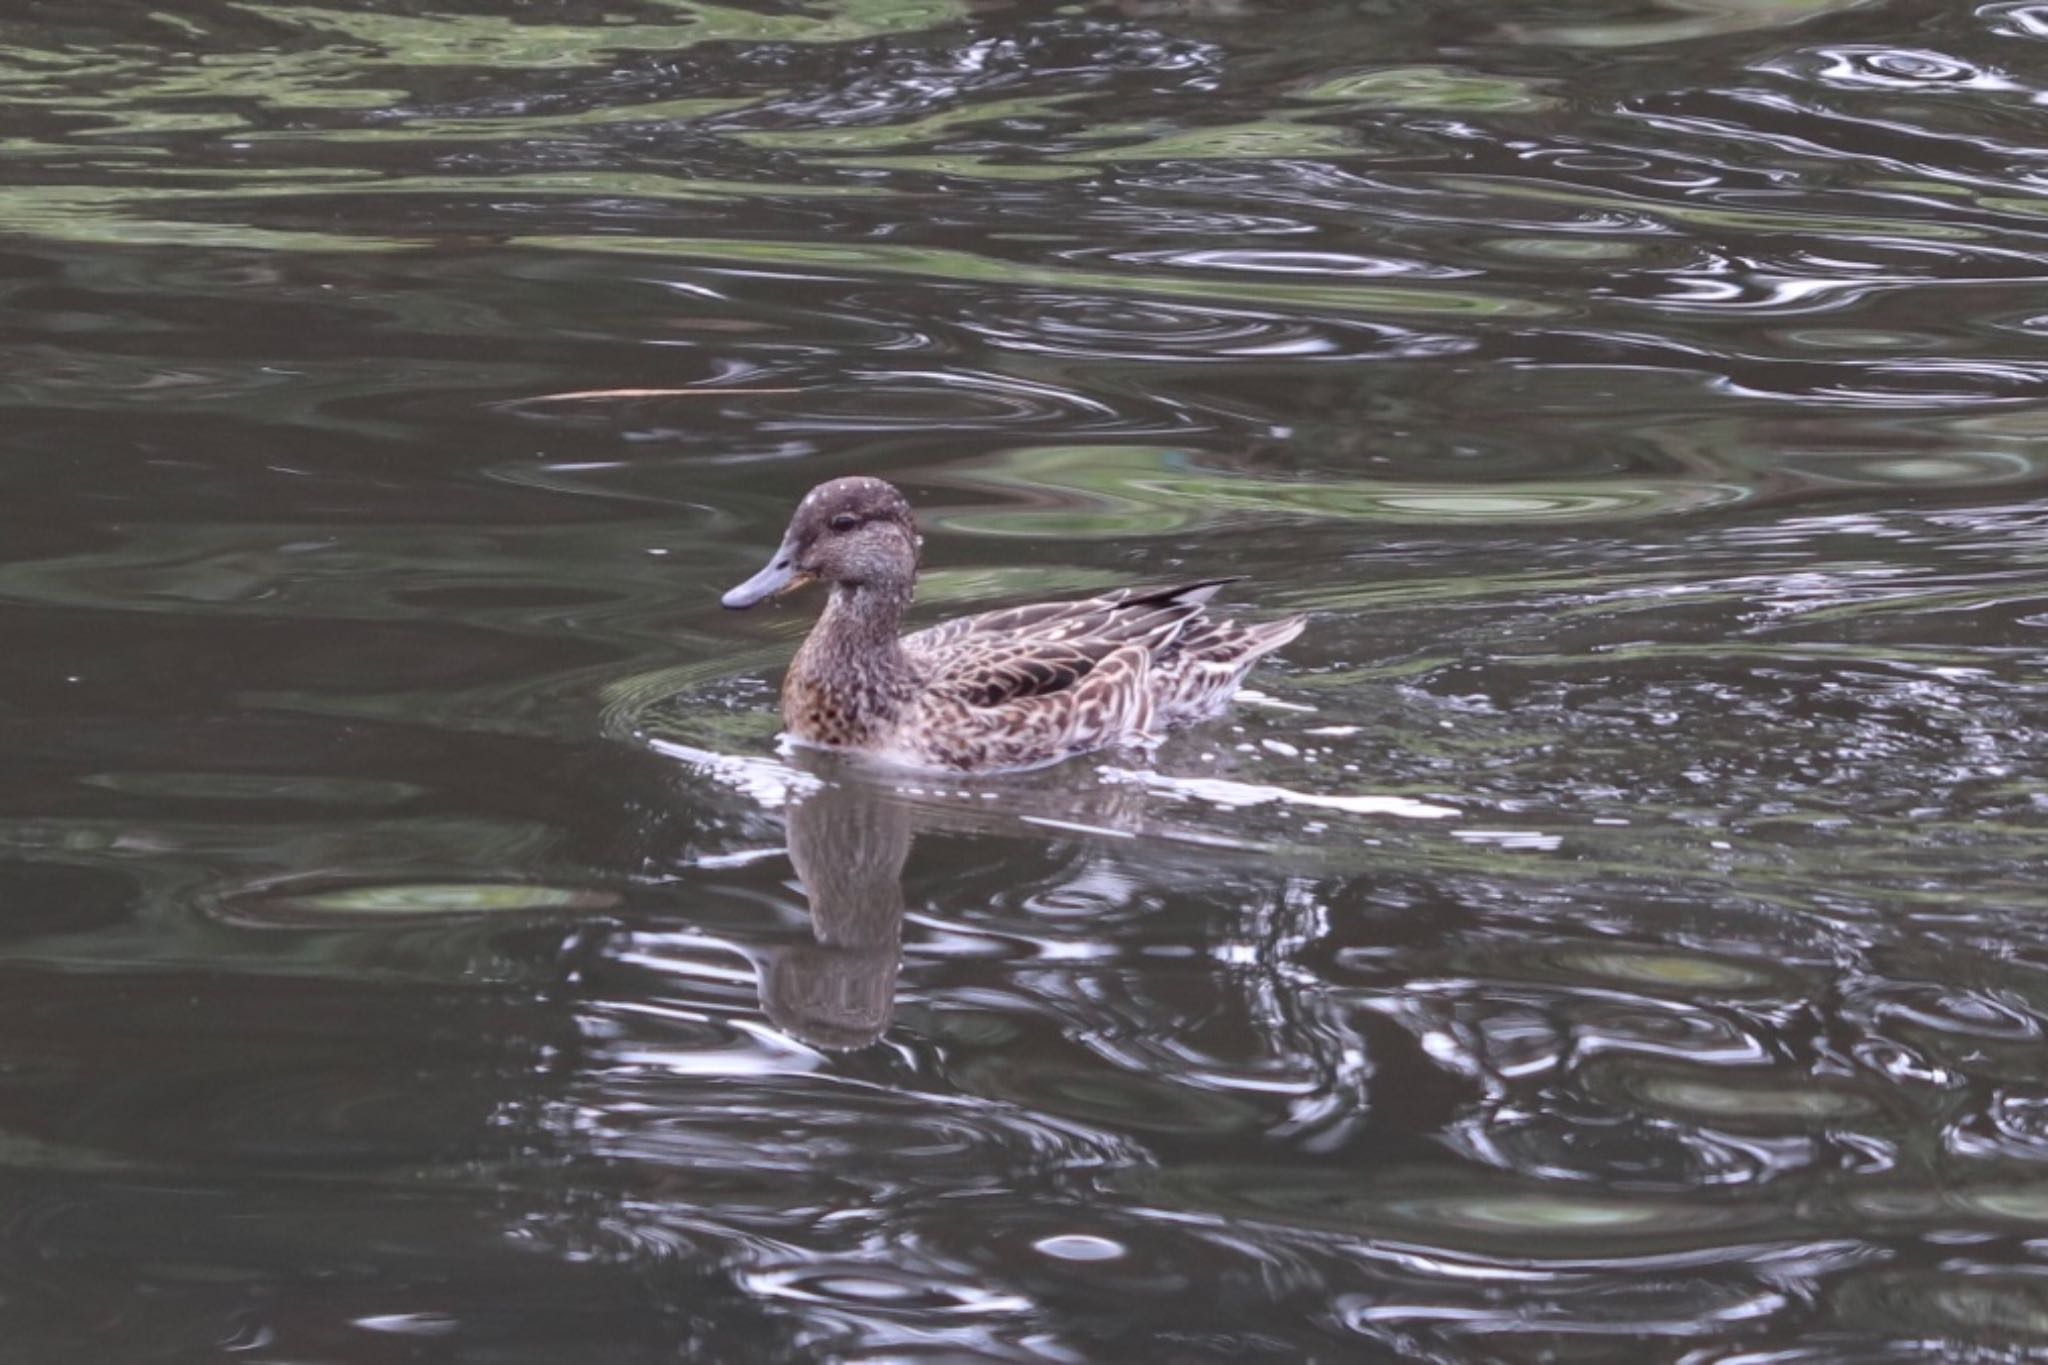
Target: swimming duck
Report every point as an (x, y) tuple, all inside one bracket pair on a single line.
[(1016, 688)]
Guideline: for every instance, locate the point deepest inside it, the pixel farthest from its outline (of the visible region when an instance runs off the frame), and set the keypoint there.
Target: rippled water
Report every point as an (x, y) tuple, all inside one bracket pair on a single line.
[(1614, 932)]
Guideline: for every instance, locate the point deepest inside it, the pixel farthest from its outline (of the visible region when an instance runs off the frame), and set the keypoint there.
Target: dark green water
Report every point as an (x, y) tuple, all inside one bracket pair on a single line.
[(1616, 932)]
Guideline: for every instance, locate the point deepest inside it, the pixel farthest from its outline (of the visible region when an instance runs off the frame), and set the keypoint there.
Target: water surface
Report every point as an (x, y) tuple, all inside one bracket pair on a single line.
[(1614, 932)]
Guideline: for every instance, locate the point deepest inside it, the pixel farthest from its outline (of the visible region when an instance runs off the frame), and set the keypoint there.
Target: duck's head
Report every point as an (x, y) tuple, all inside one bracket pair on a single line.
[(854, 531)]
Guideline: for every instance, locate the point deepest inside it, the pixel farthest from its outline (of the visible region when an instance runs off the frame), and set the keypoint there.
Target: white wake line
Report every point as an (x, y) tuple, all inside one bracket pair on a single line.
[(775, 785), (772, 784), (1249, 696), (1223, 792)]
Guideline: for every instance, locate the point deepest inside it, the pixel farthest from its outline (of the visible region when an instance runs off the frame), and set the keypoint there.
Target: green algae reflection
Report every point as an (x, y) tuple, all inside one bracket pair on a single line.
[(945, 266), (1432, 87), (495, 41), (284, 905), (1414, 1205), (1108, 491), (1683, 21)]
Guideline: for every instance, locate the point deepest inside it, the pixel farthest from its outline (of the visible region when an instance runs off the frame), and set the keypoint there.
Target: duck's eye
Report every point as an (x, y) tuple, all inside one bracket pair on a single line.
[(845, 521)]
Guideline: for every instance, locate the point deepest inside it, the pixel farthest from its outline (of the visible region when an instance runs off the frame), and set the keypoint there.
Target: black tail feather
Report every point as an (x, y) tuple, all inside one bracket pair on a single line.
[(1179, 594)]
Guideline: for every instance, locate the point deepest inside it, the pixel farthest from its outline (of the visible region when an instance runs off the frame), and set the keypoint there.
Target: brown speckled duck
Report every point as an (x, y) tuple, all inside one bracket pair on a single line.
[(1008, 689)]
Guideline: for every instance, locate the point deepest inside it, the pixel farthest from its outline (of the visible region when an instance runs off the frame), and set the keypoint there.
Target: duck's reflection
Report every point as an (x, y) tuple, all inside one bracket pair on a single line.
[(848, 847), (850, 827)]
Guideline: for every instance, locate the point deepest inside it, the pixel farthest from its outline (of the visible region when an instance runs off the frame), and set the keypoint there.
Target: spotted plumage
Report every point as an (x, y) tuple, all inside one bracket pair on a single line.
[(1015, 688)]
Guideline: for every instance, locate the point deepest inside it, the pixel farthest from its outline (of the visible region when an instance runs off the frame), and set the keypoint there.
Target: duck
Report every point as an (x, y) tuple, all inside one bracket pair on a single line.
[(1016, 688)]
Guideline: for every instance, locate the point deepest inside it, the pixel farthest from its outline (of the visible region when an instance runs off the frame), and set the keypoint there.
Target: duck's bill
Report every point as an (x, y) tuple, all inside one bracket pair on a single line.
[(781, 576)]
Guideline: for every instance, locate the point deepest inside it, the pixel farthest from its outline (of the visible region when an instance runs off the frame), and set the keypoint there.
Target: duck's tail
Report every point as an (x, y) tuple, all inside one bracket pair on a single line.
[(1178, 595), (1266, 636), (1210, 659)]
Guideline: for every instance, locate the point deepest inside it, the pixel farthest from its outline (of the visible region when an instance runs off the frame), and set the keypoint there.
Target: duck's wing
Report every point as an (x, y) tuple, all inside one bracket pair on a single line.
[(1063, 620), (1004, 656), (1040, 618), (995, 672)]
